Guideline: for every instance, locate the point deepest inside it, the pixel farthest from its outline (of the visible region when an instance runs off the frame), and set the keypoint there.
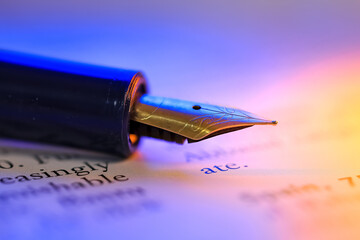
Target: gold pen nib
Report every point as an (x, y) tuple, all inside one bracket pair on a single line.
[(177, 120)]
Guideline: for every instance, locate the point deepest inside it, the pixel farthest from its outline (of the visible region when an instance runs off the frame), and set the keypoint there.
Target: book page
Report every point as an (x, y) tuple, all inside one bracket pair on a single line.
[(297, 180)]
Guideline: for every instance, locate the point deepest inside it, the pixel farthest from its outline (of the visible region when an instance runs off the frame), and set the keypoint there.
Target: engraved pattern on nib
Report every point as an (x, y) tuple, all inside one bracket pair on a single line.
[(217, 116)]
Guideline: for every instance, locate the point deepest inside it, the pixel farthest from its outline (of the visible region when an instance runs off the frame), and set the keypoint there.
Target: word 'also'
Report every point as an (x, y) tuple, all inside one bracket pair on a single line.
[(221, 168)]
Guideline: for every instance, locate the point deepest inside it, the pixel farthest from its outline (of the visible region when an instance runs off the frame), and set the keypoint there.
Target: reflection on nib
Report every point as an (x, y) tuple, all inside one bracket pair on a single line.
[(177, 120)]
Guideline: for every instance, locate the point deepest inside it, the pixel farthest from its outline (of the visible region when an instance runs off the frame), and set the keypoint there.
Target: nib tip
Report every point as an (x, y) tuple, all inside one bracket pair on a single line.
[(275, 122)]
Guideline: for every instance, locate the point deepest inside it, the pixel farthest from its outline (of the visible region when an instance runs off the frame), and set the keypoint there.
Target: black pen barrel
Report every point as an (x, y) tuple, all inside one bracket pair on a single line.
[(67, 103)]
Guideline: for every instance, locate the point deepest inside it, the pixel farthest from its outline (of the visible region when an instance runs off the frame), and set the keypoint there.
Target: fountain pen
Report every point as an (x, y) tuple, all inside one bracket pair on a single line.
[(99, 108)]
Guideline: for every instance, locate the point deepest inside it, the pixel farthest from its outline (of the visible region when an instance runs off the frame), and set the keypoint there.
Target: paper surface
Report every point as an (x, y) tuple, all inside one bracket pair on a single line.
[(298, 180)]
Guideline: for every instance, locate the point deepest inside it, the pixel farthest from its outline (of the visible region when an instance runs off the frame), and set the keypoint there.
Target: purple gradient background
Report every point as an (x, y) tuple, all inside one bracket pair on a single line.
[(187, 49)]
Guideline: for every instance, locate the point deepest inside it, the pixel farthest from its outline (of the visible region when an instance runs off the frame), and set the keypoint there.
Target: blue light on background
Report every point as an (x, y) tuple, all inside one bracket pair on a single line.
[(183, 46)]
